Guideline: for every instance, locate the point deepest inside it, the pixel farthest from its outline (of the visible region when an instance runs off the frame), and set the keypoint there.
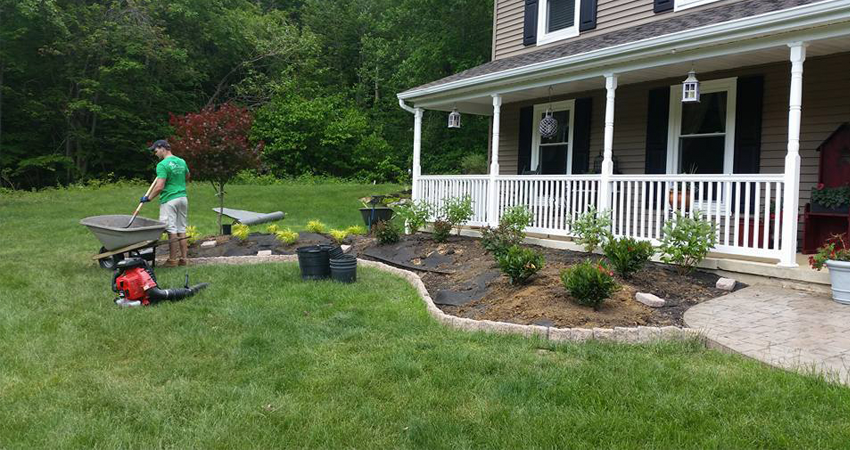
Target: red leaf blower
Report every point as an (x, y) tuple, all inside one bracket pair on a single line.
[(135, 284)]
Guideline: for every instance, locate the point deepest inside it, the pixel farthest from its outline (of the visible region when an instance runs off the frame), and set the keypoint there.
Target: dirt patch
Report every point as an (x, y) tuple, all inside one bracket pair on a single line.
[(255, 242), (465, 281)]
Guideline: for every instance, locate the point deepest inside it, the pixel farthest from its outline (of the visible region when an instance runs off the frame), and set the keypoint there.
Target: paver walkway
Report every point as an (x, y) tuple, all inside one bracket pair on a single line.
[(783, 327)]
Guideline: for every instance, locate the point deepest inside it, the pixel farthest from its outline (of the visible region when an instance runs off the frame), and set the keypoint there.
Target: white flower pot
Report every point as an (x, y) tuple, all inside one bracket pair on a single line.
[(839, 275)]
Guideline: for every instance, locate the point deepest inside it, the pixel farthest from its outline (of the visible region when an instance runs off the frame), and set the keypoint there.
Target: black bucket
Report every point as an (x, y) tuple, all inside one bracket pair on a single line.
[(226, 229), (334, 250), (313, 262), (344, 269)]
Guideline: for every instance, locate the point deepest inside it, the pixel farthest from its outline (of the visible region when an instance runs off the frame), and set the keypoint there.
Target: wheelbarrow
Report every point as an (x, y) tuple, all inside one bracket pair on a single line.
[(120, 241)]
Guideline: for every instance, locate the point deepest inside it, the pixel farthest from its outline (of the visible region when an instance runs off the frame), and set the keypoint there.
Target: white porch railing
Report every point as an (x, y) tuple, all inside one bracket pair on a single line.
[(746, 209)]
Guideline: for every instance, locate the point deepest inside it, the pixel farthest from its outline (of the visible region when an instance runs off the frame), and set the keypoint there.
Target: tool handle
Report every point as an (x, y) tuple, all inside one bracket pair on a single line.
[(139, 208)]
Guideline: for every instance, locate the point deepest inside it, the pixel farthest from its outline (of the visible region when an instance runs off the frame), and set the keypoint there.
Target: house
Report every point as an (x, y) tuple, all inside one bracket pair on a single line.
[(611, 73)]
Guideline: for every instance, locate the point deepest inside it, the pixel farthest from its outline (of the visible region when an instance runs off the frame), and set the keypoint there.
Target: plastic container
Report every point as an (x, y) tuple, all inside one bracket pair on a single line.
[(313, 262), (334, 251), (344, 269)]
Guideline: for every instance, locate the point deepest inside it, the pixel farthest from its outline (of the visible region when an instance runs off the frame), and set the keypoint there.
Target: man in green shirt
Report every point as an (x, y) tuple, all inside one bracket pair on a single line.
[(171, 176)]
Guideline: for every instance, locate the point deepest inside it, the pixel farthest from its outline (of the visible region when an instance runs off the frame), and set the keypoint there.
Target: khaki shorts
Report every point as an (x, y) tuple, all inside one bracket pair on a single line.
[(174, 213)]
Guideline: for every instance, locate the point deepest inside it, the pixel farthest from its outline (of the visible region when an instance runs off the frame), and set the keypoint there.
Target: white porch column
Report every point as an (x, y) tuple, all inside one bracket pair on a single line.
[(791, 200), (417, 152), (492, 192), (608, 144)]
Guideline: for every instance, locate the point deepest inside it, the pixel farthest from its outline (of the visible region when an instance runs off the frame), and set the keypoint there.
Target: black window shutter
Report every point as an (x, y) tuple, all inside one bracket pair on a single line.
[(748, 124), (587, 16), (662, 6), (656, 130), (526, 124), (581, 135), (529, 35)]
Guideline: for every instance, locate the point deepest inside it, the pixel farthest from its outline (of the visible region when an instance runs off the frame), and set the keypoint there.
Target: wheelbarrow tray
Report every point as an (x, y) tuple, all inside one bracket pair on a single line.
[(111, 232)]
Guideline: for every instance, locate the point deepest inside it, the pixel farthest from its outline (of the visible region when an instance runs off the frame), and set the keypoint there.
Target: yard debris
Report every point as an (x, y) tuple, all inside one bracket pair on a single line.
[(726, 284), (650, 300), (264, 253), (208, 244)]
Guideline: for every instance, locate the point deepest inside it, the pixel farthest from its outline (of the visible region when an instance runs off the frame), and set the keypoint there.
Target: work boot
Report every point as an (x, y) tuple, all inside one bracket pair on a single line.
[(170, 263), (183, 262)]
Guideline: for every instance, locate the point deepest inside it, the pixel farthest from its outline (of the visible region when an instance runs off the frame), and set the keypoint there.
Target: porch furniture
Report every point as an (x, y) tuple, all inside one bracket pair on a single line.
[(833, 171)]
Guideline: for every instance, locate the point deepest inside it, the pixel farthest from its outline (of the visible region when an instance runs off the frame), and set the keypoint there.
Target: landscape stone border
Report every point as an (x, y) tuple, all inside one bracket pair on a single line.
[(631, 335)]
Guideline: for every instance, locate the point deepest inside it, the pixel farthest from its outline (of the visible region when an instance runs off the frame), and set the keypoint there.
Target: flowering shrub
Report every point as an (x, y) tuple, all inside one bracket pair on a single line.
[(687, 241), (457, 211), (829, 252), (510, 232), (588, 283), (387, 232), (592, 228), (627, 255), (519, 263), (442, 229), (833, 198), (414, 214)]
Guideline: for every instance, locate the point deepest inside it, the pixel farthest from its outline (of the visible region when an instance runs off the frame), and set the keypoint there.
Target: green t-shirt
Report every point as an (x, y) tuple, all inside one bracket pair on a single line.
[(174, 170)]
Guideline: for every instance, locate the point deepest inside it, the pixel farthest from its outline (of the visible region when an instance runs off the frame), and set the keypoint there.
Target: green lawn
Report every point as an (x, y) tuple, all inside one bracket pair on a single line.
[(262, 359)]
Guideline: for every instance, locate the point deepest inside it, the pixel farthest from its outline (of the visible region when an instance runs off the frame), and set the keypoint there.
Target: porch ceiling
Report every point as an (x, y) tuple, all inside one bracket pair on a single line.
[(675, 65)]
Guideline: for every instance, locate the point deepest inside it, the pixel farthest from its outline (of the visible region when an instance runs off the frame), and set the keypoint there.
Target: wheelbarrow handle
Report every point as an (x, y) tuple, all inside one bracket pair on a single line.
[(139, 208)]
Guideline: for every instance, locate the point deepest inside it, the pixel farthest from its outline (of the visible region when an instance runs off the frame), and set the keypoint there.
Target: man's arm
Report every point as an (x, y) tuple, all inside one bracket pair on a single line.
[(157, 188)]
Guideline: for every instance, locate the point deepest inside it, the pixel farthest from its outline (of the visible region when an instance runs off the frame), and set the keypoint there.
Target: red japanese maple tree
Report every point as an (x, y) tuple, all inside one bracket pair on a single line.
[(214, 142)]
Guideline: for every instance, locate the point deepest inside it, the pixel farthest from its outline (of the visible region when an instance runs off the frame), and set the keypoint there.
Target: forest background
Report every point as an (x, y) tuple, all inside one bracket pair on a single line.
[(86, 85)]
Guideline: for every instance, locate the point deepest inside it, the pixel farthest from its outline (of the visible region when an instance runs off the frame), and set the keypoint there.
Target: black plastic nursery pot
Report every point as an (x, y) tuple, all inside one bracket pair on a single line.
[(226, 229), (334, 250), (313, 262), (372, 216), (344, 269)]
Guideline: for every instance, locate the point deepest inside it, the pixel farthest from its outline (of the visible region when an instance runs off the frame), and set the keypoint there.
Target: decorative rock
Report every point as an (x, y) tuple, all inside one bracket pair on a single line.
[(264, 253), (208, 244), (345, 248), (726, 284), (649, 300)]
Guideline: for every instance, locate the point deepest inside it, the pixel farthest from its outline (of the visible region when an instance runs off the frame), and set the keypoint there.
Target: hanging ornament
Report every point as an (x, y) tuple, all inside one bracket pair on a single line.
[(548, 125), (454, 119), (690, 88)]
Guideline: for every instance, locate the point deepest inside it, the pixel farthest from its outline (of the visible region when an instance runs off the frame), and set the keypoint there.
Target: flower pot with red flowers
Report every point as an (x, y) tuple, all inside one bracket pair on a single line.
[(831, 199), (836, 257)]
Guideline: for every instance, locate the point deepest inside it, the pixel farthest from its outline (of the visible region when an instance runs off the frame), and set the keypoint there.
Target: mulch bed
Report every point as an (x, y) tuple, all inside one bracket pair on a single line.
[(465, 281)]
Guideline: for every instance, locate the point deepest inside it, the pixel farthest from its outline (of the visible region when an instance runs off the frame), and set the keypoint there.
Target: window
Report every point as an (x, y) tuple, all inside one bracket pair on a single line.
[(685, 4), (554, 156), (556, 20), (702, 135)]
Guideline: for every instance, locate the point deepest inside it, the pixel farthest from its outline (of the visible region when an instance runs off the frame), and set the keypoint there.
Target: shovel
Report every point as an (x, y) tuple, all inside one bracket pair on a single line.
[(138, 208)]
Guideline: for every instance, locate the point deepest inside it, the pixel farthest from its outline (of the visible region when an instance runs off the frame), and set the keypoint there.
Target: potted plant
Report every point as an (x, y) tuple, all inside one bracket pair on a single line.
[(376, 209), (831, 199), (681, 201), (836, 257)]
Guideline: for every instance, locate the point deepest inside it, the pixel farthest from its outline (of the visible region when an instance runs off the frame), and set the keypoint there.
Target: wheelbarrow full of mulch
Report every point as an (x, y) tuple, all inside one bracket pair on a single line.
[(120, 241)]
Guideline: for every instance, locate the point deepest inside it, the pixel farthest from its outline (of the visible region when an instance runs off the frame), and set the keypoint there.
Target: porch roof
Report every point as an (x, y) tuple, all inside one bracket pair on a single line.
[(598, 49)]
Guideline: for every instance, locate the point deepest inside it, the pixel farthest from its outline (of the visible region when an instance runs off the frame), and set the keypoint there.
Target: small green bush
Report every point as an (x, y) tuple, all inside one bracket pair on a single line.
[(510, 232), (315, 226), (588, 283), (519, 263), (414, 214), (192, 234), (387, 232), (627, 255), (240, 231), (272, 229), (591, 229), (687, 241), (356, 230), (457, 211), (442, 229), (287, 236), (338, 235)]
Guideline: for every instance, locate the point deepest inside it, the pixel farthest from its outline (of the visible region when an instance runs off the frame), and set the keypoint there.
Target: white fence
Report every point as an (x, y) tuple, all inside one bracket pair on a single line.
[(746, 210)]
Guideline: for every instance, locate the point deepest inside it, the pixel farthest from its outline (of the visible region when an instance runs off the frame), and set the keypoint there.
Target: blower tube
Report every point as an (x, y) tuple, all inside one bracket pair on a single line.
[(158, 294)]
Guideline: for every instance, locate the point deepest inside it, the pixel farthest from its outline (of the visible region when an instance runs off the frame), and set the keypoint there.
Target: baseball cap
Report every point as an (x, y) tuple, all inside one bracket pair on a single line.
[(159, 143)]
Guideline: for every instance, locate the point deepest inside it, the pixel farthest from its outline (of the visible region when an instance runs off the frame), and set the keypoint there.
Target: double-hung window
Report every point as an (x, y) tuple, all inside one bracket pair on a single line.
[(685, 4), (553, 155), (556, 20)]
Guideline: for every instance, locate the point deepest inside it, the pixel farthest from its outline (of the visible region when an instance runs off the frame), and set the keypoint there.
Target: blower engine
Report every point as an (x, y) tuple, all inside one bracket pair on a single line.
[(135, 283)]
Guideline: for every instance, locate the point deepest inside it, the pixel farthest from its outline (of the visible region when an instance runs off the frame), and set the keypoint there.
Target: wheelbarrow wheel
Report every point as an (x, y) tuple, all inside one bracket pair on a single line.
[(109, 262)]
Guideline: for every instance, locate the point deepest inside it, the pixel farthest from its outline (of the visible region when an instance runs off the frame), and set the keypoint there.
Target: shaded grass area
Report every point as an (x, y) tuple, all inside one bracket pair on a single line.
[(262, 359)]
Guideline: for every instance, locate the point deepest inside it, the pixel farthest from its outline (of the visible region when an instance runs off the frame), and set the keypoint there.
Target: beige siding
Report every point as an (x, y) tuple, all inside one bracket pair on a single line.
[(611, 15), (826, 104)]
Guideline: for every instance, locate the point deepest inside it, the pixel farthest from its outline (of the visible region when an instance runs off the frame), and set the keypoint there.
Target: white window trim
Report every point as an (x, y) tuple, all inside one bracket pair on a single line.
[(539, 110), (545, 38), (674, 127), (679, 5)]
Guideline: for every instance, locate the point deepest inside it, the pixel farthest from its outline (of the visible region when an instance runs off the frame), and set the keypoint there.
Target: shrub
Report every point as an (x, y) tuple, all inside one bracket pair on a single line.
[(192, 234), (588, 283), (442, 229), (356, 230), (510, 232), (687, 241), (832, 197), (627, 255), (338, 235), (241, 231), (272, 229), (519, 263), (314, 226), (413, 214), (474, 163), (287, 236), (591, 229), (387, 232), (457, 211)]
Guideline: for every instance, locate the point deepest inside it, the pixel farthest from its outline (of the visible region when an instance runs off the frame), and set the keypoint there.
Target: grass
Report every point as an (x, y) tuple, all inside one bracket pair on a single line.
[(262, 359)]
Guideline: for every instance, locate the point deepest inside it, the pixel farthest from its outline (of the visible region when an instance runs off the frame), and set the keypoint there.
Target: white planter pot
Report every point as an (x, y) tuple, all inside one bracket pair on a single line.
[(839, 275)]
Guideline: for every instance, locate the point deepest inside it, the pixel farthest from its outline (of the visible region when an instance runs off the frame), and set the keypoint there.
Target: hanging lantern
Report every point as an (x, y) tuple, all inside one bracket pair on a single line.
[(548, 125), (690, 88), (454, 119)]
